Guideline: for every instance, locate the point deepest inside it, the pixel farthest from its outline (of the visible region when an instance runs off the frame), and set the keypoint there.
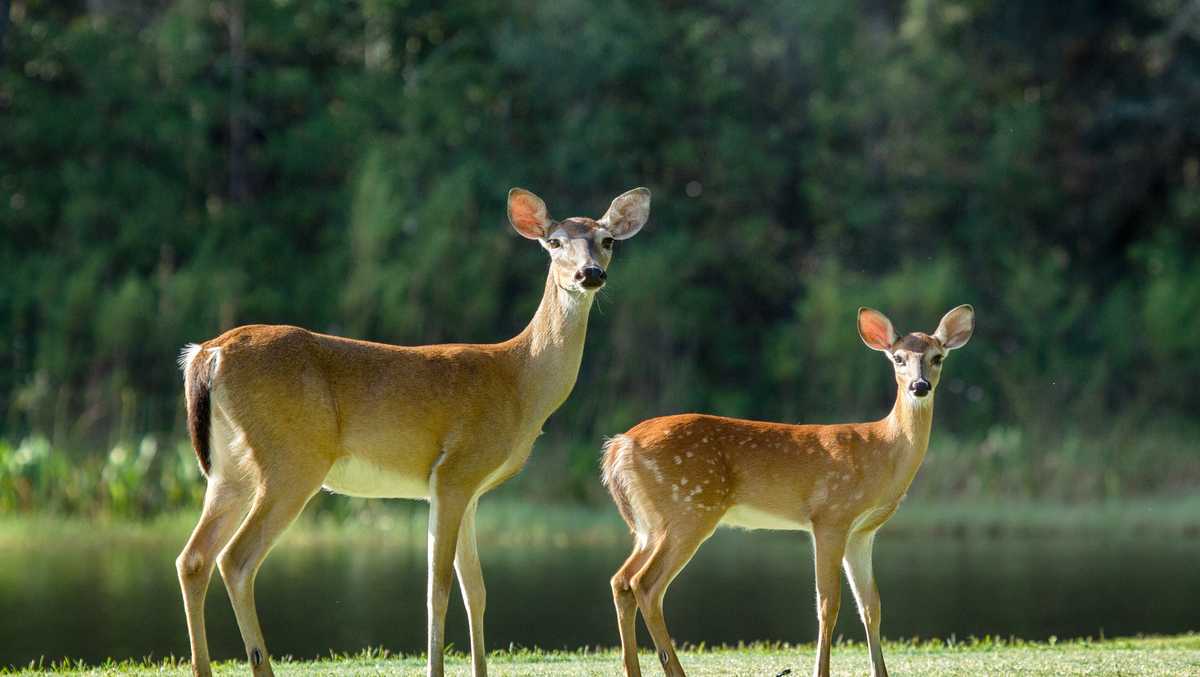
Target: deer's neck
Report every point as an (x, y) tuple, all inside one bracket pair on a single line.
[(550, 349), (908, 425)]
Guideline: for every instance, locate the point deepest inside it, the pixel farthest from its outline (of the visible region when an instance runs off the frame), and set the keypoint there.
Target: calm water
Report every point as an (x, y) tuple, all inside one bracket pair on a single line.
[(96, 602)]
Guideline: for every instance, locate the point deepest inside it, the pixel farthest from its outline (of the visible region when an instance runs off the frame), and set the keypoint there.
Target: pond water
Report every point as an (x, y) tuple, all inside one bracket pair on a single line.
[(95, 602)]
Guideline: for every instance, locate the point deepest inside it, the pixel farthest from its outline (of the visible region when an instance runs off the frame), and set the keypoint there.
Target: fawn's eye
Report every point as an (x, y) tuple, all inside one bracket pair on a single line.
[(607, 243), (936, 360), (554, 243), (898, 358)]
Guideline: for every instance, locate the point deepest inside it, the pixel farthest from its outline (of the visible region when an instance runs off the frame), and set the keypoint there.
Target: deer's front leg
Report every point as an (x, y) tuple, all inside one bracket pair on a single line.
[(470, 581), (862, 581), (828, 546), (447, 505)]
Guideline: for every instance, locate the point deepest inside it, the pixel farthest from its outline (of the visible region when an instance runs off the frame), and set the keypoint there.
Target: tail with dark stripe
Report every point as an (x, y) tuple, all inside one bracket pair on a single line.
[(198, 388)]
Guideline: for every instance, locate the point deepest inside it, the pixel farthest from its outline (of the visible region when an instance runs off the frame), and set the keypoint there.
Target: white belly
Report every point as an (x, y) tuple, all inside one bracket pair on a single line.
[(355, 477), (750, 518)]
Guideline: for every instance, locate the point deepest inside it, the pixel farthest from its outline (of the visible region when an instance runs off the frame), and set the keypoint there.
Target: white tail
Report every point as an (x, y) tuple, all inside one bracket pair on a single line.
[(675, 479), (278, 412)]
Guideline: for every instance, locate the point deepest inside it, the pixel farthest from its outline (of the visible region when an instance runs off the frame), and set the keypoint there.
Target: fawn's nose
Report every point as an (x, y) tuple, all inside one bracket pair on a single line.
[(591, 277), (920, 387)]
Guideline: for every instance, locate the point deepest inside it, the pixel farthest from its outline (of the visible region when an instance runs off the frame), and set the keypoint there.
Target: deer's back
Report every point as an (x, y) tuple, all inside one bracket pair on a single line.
[(374, 408), (764, 475)]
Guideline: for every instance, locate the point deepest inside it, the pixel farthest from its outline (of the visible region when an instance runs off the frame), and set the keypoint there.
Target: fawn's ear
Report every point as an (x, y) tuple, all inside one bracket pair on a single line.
[(875, 329), (627, 214), (527, 213), (956, 327)]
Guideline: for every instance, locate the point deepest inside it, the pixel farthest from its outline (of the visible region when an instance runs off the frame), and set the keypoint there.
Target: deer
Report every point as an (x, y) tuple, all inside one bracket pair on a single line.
[(675, 479), (276, 413)]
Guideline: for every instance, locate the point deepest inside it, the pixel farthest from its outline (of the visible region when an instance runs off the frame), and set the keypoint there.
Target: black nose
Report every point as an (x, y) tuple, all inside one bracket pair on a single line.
[(591, 277), (920, 387)]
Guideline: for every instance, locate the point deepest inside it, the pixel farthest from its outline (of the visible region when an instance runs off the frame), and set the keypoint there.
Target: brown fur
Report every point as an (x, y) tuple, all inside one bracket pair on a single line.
[(916, 342), (676, 478), (290, 410)]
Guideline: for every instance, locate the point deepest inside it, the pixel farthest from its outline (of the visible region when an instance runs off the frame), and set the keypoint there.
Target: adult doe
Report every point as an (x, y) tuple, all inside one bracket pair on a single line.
[(676, 478), (277, 412)]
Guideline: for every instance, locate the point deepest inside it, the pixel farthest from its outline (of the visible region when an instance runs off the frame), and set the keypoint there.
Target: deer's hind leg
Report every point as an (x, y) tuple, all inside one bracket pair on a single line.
[(279, 498), (626, 605), (672, 550), (225, 502)]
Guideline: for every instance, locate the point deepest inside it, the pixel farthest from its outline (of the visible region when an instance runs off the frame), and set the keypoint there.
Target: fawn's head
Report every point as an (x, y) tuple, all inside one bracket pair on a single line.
[(917, 358), (580, 248)]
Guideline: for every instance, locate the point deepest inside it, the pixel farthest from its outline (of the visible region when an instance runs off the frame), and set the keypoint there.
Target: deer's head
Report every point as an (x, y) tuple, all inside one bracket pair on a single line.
[(917, 358), (580, 248)]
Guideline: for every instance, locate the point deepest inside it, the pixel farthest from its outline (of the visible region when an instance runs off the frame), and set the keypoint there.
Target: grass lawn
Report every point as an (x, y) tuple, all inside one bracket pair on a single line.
[(1142, 656)]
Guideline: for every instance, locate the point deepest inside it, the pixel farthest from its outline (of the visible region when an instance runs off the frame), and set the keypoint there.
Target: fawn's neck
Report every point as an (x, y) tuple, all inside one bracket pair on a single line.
[(908, 425), (550, 349)]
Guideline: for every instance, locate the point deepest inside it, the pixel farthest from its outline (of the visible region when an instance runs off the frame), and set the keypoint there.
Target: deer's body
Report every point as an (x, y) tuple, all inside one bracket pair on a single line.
[(761, 475), (380, 416), (675, 479), (277, 412)]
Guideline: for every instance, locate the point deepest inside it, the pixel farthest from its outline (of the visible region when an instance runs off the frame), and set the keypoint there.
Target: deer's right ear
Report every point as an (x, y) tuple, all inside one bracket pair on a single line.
[(627, 214), (527, 213), (875, 329), (956, 327)]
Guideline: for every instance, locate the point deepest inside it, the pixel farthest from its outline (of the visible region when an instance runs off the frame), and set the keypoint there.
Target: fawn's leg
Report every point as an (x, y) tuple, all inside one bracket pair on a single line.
[(857, 563), (670, 555), (828, 546), (626, 604)]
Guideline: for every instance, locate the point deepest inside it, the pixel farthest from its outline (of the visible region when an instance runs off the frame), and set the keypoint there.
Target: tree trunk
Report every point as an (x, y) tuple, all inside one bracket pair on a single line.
[(238, 188)]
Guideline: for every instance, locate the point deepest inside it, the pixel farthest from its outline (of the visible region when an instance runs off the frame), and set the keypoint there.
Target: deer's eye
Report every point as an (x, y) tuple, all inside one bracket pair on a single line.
[(607, 243), (898, 358), (554, 243), (936, 360)]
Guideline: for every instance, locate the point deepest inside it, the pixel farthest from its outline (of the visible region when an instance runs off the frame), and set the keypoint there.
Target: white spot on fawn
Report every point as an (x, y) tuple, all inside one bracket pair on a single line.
[(658, 476), (678, 460)]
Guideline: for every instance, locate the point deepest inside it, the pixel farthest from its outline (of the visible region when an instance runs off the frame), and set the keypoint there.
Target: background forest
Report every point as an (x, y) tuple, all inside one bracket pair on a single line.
[(170, 169)]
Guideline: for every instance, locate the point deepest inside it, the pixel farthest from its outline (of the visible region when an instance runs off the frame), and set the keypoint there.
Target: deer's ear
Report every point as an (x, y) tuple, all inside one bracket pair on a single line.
[(527, 213), (627, 214), (956, 327), (875, 329)]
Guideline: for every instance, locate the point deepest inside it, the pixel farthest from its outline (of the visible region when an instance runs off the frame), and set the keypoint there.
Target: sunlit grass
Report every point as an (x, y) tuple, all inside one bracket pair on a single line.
[(1178, 655)]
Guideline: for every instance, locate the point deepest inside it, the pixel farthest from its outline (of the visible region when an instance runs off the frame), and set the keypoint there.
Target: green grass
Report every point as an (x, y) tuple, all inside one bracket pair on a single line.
[(1136, 656)]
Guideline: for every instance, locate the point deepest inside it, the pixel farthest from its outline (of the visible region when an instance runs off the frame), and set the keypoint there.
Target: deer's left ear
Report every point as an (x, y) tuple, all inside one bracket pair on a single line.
[(527, 213), (875, 329), (956, 327), (627, 214)]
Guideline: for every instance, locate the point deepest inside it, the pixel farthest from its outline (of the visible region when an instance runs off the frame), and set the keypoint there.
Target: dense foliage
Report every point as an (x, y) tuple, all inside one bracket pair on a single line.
[(169, 169)]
